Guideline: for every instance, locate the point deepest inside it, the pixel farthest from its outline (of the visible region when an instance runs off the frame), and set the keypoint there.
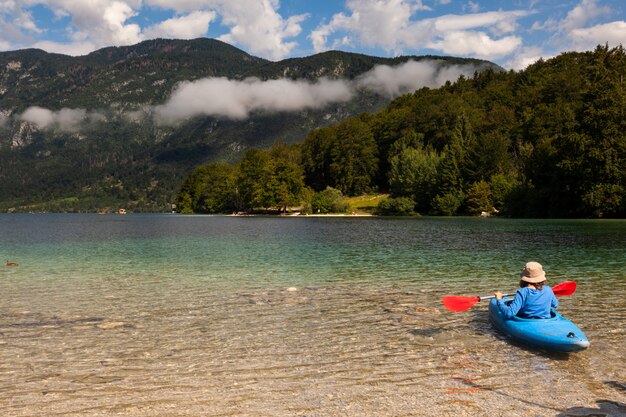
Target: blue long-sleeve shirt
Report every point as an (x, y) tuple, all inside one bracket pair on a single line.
[(530, 303)]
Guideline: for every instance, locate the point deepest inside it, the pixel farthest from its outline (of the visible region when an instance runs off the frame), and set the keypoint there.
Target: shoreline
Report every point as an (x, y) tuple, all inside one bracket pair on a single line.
[(305, 215)]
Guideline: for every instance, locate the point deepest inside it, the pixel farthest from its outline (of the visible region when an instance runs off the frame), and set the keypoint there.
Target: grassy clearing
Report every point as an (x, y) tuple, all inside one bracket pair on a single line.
[(365, 204)]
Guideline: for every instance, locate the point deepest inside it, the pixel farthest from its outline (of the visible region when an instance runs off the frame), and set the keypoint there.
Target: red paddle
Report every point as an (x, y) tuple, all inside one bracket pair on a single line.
[(463, 303)]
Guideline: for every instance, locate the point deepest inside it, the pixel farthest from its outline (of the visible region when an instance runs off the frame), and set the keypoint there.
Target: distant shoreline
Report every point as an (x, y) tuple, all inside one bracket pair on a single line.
[(305, 215)]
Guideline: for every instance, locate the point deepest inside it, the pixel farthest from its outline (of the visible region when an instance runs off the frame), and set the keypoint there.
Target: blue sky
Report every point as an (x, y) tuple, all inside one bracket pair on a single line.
[(511, 33)]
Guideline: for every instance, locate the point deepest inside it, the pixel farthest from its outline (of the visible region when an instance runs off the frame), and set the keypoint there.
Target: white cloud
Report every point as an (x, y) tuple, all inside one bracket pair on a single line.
[(472, 6), (73, 49), (582, 14), (5, 46), (98, 22), (410, 76), (586, 38), (476, 44), (94, 24), (233, 99), (499, 22), (419, 5), (389, 24), (183, 6), (15, 24), (526, 57), (237, 99), (190, 26), (320, 35), (254, 24), (103, 22), (68, 120), (263, 31), (25, 21), (573, 32), (550, 24), (374, 23)]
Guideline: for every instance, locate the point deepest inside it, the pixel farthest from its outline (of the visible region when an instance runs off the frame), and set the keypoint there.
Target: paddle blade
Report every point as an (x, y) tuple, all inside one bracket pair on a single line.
[(459, 303), (564, 288)]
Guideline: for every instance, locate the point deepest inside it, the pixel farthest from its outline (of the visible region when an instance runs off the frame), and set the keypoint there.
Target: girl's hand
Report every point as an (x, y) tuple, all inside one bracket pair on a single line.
[(498, 295)]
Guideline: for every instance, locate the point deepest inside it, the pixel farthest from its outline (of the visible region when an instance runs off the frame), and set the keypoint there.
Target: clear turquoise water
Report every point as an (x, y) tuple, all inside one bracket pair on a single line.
[(259, 252), (211, 315)]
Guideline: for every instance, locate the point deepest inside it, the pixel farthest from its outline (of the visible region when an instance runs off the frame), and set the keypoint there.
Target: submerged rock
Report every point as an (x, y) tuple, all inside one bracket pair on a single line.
[(111, 325), (427, 310)]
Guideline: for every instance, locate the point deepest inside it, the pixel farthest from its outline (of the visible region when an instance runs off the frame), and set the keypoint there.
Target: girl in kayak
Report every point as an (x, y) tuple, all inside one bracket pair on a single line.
[(534, 299)]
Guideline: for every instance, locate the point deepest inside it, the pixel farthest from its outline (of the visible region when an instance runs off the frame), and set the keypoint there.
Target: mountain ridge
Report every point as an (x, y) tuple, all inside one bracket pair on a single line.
[(120, 157)]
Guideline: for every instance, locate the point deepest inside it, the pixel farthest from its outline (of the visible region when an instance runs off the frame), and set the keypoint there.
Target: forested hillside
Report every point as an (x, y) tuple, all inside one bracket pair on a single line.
[(84, 133), (549, 141)]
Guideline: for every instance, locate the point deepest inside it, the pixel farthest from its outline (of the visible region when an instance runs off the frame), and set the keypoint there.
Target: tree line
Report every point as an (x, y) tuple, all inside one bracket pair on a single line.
[(548, 141)]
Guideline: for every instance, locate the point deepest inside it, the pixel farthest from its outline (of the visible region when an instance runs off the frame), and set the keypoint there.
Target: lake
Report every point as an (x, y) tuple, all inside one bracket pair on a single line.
[(169, 315)]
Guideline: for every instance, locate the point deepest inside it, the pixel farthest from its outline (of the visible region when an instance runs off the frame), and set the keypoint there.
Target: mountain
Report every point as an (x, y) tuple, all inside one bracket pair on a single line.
[(80, 133)]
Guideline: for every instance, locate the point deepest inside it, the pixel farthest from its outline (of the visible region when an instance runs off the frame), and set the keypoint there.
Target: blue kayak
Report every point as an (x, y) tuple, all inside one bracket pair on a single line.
[(556, 333)]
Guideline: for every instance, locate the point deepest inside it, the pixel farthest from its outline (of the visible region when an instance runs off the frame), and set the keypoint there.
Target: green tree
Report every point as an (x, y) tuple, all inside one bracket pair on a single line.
[(400, 206), (184, 202), (209, 189), (316, 157), (219, 192), (284, 185), (545, 141), (447, 204), (354, 158), (488, 155), (253, 178), (478, 198), (414, 174), (501, 187), (272, 178), (390, 126), (604, 121), (452, 168), (329, 201)]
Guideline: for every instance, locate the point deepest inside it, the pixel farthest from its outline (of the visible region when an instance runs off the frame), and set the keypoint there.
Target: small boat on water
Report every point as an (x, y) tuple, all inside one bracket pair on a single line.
[(556, 333), (121, 211)]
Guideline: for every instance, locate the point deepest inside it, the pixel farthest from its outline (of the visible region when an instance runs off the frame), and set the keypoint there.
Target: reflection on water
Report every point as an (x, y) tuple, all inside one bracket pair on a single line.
[(195, 316)]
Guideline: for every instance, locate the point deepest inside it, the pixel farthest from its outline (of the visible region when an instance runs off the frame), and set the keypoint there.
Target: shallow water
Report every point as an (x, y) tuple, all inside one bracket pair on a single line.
[(162, 315)]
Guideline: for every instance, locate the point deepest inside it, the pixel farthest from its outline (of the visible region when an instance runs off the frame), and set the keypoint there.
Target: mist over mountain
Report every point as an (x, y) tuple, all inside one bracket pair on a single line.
[(123, 126)]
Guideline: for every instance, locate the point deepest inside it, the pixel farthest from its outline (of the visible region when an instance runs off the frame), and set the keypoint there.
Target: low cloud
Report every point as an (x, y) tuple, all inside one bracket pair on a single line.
[(237, 100), (66, 120), (410, 76)]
